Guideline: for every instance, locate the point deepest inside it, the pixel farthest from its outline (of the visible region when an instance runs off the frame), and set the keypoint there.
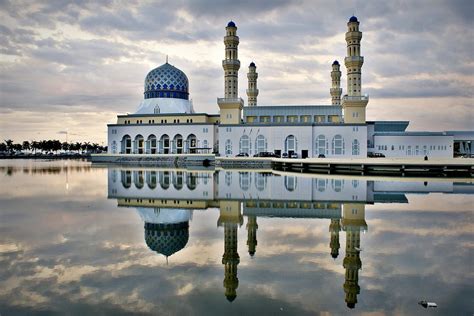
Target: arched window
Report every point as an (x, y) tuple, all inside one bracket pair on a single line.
[(321, 184), (228, 178), (337, 185), (244, 146), (139, 144), (228, 147), (191, 143), (157, 110), (178, 180), (355, 183), (165, 144), (355, 147), (151, 179), (260, 144), (338, 145), (138, 179), (244, 180), (151, 144), (291, 144), (164, 177), (321, 145), (290, 183), (205, 145), (126, 144), (191, 181), (178, 144), (126, 178), (260, 181)]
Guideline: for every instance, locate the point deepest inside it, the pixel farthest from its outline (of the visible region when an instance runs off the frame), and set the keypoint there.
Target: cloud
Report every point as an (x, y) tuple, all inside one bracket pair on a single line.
[(93, 55)]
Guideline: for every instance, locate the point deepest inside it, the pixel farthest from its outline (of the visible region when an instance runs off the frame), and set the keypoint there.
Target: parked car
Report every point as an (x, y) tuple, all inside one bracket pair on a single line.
[(242, 155), (375, 155), (293, 155), (284, 155), (266, 154), (321, 156)]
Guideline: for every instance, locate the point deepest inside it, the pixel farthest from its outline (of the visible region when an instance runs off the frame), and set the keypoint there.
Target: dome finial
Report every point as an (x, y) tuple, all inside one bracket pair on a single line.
[(166, 58)]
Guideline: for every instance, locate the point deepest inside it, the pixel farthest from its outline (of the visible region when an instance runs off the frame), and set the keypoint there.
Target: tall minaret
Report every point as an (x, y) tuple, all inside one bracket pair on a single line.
[(336, 90), (252, 227), (354, 103), (252, 91), (353, 222), (231, 218), (334, 229), (231, 105)]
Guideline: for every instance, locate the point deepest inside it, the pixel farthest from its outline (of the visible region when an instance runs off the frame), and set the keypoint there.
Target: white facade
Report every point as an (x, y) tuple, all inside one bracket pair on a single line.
[(339, 140), (408, 145), (203, 135)]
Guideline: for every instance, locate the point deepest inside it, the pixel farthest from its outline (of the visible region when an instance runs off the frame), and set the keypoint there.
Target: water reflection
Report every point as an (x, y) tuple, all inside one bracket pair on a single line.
[(167, 209)]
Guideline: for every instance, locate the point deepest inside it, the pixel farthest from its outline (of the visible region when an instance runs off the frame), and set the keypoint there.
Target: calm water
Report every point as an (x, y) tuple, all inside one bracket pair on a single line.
[(88, 240)]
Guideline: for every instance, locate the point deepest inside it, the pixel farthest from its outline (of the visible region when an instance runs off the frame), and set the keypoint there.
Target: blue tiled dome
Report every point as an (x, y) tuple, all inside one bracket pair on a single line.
[(335, 62), (166, 239), (166, 81), (252, 64), (231, 24), (353, 19)]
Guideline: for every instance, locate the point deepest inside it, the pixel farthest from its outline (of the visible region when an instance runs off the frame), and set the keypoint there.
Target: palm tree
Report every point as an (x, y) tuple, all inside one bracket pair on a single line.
[(9, 144), (26, 145)]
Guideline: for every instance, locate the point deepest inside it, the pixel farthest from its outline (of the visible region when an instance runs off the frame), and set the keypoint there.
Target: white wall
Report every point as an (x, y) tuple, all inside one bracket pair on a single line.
[(158, 130), (305, 135), (437, 146)]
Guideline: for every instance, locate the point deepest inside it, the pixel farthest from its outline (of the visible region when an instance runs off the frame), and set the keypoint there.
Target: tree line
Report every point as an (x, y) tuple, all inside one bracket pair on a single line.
[(50, 146)]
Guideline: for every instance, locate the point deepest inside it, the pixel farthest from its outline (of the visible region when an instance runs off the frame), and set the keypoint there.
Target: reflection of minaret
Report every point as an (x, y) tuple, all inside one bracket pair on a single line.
[(353, 222), (230, 217), (334, 229), (252, 234)]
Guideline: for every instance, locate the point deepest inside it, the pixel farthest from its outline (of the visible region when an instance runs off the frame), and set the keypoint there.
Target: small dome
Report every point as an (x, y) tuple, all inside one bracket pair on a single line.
[(231, 24), (166, 239), (335, 62), (252, 64), (353, 19), (231, 298), (166, 81)]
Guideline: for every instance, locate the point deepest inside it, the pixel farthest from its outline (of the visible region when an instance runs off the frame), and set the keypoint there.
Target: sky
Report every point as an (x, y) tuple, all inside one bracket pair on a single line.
[(74, 65)]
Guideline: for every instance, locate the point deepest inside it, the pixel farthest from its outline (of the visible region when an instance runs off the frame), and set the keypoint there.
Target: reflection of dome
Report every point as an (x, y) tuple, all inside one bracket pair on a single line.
[(166, 81), (231, 297), (351, 305), (167, 239)]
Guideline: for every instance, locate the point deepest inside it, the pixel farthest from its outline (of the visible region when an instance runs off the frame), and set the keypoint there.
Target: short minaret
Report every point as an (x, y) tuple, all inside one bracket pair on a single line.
[(231, 105), (252, 227), (354, 103), (252, 91), (336, 90)]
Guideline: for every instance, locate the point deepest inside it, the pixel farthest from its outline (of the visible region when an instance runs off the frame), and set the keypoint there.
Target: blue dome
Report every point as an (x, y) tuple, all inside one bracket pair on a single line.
[(252, 64), (166, 81), (166, 239), (231, 24), (335, 62), (353, 19)]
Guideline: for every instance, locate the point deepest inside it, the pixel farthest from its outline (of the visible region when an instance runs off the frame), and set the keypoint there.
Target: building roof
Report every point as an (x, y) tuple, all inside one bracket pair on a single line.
[(411, 134), (389, 126)]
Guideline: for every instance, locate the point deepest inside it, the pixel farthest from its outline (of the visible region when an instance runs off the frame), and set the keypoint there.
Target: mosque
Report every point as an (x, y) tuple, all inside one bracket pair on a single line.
[(166, 121)]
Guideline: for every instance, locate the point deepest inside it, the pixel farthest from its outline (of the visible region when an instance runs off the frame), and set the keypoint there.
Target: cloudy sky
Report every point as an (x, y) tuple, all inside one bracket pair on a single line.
[(74, 65)]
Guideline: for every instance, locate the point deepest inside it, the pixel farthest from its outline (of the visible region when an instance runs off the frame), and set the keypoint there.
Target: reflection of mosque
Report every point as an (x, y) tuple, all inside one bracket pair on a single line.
[(165, 200)]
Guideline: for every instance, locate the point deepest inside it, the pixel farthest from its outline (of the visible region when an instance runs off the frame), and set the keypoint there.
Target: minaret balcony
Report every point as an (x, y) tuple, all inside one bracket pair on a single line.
[(356, 98), (231, 62), (354, 59)]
